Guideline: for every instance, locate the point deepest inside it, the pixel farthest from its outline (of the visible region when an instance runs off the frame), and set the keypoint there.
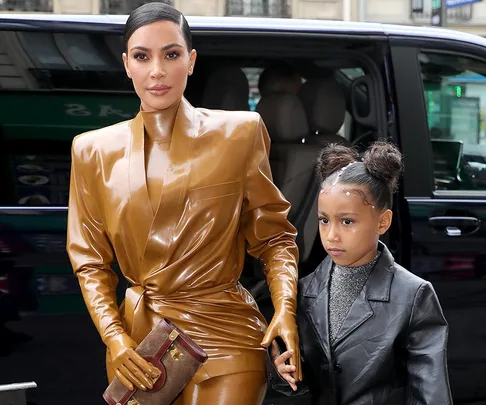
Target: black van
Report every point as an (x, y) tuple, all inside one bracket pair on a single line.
[(423, 88)]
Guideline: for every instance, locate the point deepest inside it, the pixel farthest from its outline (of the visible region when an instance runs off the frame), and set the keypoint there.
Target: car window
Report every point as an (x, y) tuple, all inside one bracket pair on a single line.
[(252, 74), (455, 98), (352, 73), (349, 74), (72, 83)]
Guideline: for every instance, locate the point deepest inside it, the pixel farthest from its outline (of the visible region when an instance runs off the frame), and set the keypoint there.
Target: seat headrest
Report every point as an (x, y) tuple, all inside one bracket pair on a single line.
[(325, 105), (227, 88), (279, 78), (284, 117)]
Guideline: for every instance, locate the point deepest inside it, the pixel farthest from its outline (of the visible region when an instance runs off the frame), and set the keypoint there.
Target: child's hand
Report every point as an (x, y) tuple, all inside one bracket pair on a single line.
[(286, 371)]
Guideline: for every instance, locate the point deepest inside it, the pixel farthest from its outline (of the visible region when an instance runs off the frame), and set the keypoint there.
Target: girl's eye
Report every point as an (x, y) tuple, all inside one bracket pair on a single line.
[(172, 55), (323, 221), (347, 221), (140, 56)]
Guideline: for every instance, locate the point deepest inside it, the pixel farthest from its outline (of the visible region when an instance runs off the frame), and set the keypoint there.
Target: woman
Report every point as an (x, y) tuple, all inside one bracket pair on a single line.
[(371, 331), (175, 195)]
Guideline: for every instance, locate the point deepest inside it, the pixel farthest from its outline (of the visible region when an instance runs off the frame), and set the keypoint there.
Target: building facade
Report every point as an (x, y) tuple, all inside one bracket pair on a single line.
[(469, 18)]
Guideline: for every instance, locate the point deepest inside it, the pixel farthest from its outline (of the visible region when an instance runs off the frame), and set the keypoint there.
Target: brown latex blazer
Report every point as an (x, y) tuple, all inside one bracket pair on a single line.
[(184, 260)]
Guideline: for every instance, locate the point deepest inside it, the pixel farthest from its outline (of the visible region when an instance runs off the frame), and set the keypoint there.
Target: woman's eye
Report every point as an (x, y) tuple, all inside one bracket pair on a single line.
[(347, 221), (172, 55), (323, 220), (140, 56)]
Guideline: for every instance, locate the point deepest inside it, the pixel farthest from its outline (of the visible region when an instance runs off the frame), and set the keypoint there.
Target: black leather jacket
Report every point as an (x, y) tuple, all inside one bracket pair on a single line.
[(391, 349)]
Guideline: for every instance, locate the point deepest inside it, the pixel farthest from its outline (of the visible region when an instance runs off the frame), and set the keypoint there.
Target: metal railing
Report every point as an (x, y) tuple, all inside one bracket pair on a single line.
[(421, 10), (26, 5), (259, 8), (124, 6)]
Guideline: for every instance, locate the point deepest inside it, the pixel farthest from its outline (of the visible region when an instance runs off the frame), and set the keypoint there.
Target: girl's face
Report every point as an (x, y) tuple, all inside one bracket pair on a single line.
[(158, 62), (349, 227)]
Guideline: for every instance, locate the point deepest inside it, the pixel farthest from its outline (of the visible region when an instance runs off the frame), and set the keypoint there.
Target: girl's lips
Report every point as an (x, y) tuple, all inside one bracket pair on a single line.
[(335, 252)]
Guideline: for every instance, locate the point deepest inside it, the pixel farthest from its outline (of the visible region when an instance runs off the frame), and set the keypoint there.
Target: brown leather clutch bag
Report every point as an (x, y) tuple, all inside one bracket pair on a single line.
[(177, 357)]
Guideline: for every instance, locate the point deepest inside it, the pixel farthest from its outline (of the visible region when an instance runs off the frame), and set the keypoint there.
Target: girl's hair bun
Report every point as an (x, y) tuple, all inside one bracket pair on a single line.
[(334, 157), (383, 161)]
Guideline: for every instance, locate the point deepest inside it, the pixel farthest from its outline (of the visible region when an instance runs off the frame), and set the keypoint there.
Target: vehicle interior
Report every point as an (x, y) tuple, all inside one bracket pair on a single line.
[(306, 102)]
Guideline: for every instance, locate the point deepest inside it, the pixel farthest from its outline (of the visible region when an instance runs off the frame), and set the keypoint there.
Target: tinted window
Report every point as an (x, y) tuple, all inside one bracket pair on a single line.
[(455, 97), (58, 85), (70, 83)]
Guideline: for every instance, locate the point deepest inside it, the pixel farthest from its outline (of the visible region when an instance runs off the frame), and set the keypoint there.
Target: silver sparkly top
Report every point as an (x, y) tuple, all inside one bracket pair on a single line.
[(346, 284)]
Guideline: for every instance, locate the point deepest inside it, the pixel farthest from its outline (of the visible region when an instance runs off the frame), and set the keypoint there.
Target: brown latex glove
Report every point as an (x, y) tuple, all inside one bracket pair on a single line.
[(283, 325), (131, 368), (271, 239)]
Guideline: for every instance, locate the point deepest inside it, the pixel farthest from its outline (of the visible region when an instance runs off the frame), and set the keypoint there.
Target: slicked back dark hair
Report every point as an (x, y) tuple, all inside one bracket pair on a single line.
[(154, 12)]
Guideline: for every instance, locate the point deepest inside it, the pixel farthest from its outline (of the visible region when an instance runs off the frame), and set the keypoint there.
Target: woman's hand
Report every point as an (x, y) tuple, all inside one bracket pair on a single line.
[(131, 368), (286, 371), (283, 326)]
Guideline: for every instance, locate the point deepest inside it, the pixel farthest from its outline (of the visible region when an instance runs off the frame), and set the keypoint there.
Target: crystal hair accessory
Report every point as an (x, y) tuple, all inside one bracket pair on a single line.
[(341, 171)]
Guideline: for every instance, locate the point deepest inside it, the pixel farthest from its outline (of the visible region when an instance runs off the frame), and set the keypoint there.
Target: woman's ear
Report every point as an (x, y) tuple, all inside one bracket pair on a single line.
[(385, 221), (125, 63), (192, 62)]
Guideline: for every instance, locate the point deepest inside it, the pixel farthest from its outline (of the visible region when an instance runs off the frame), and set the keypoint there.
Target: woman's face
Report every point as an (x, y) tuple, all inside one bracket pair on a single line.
[(158, 62)]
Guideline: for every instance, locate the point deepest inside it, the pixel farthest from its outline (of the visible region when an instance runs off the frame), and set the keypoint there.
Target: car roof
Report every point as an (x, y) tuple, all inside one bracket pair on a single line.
[(197, 23)]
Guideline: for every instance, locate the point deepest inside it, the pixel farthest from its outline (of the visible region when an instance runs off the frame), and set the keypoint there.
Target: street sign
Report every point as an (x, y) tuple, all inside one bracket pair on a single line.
[(459, 3)]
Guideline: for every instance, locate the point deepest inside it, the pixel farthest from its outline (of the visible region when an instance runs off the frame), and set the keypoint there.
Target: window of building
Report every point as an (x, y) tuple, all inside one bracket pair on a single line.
[(455, 97), (124, 6), (30, 5), (259, 8)]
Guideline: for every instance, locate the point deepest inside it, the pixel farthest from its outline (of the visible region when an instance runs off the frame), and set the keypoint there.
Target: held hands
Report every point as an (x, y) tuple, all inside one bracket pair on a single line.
[(286, 371), (131, 368), (283, 325)]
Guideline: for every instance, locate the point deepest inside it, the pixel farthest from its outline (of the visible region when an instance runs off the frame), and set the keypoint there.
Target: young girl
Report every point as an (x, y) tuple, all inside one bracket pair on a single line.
[(371, 332)]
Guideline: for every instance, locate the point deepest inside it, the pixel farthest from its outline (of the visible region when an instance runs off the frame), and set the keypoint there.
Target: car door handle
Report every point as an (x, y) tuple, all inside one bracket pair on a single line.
[(455, 226)]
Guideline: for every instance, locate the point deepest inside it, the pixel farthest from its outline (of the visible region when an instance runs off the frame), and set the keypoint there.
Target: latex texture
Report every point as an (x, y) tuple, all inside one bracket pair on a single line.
[(216, 200)]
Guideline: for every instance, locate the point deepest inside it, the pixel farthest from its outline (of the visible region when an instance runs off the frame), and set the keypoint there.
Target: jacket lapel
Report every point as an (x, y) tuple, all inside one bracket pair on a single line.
[(317, 311), (377, 288), (359, 313), (141, 213), (158, 249)]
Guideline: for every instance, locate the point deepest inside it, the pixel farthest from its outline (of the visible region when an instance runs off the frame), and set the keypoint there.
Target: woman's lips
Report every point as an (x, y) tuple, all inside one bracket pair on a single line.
[(159, 90)]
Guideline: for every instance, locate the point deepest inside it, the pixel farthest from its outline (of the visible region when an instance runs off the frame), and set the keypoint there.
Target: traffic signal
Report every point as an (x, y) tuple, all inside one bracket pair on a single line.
[(458, 91), (437, 15)]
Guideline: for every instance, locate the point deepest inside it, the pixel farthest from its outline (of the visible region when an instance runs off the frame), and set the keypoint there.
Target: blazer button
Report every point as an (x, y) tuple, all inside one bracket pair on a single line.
[(338, 369)]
